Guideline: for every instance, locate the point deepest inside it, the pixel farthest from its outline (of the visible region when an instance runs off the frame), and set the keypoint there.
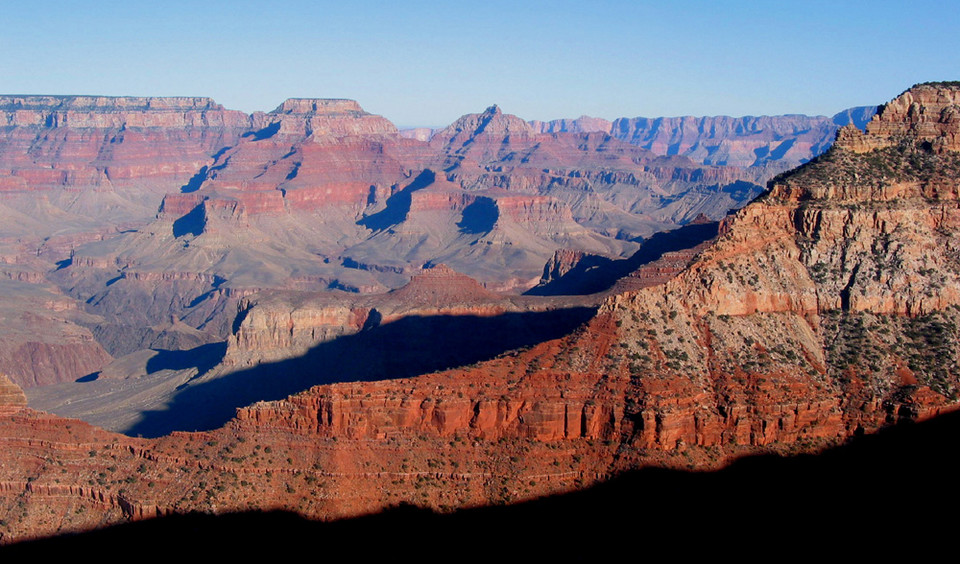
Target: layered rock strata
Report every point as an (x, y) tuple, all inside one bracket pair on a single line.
[(11, 396), (825, 309)]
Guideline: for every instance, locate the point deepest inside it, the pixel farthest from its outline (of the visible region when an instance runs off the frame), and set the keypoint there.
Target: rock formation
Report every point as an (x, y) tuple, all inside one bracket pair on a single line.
[(825, 309), (11, 396), (322, 195), (582, 124)]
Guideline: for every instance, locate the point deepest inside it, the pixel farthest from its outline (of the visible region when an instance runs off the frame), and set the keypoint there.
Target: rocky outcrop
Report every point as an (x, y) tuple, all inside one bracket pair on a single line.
[(927, 113), (324, 117), (11, 395), (305, 155), (273, 328), (440, 286)]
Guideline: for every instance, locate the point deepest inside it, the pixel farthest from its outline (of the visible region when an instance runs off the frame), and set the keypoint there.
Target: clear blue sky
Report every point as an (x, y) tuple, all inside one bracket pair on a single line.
[(428, 62)]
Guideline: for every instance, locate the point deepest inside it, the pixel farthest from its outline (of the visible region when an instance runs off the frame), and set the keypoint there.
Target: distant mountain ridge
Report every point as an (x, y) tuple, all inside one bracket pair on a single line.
[(767, 142)]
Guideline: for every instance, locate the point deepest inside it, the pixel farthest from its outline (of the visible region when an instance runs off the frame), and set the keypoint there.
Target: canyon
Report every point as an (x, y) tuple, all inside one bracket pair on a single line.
[(156, 216), (337, 290)]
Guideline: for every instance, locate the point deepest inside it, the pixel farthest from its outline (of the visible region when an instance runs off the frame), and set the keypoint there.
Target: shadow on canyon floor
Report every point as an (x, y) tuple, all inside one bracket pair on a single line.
[(397, 206), (408, 347), (884, 493), (597, 273), (204, 358)]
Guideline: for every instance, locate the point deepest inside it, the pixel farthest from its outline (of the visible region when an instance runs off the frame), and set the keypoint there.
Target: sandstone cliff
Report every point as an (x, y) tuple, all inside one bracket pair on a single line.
[(279, 325)]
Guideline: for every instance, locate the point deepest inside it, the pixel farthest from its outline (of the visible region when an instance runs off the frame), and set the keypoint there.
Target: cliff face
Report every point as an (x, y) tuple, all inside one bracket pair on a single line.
[(101, 143), (281, 325), (582, 124), (109, 112), (926, 113)]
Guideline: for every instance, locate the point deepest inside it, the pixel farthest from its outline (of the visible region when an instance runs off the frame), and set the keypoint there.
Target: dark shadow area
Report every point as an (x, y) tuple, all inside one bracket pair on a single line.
[(203, 358), (761, 154), (120, 339), (88, 378), (408, 347), (741, 191), (195, 181), (216, 156), (782, 149), (265, 133), (885, 493), (190, 224), (397, 205), (201, 298), (293, 173), (479, 217), (594, 273)]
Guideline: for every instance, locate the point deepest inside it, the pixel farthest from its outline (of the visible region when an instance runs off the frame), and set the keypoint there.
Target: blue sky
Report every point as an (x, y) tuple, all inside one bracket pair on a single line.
[(428, 62)]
